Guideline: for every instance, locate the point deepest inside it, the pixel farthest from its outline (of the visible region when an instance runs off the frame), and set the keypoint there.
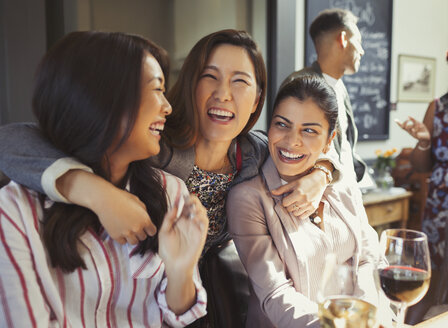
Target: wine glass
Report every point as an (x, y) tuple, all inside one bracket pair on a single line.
[(338, 307), (405, 277)]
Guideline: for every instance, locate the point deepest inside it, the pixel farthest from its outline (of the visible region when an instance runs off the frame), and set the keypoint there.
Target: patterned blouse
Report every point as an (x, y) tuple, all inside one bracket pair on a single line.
[(211, 189)]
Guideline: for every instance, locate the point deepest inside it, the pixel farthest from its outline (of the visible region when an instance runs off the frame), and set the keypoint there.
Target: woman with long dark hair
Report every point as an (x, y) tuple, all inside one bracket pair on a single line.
[(59, 267)]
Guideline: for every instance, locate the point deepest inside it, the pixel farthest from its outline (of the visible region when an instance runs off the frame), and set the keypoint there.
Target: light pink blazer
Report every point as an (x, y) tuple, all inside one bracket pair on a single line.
[(272, 248)]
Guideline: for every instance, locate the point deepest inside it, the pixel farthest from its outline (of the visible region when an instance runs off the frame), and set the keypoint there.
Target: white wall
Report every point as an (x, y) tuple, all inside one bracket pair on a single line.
[(419, 28)]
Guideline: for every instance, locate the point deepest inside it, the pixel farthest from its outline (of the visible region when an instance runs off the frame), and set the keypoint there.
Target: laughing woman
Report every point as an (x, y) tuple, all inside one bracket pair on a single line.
[(284, 257), (58, 266)]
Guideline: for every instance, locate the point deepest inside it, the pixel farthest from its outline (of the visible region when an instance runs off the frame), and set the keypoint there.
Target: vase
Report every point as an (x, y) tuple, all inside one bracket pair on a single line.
[(384, 179)]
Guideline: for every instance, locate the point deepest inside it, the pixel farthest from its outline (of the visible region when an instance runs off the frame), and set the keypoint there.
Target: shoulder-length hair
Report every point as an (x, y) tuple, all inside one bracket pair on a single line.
[(86, 87), (182, 126)]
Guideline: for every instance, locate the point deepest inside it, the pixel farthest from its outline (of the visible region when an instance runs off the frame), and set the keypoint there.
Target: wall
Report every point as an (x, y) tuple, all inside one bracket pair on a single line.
[(22, 44), (426, 36)]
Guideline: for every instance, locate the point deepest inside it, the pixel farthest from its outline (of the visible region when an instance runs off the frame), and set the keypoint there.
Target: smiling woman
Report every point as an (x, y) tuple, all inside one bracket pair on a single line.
[(285, 257), (59, 267)]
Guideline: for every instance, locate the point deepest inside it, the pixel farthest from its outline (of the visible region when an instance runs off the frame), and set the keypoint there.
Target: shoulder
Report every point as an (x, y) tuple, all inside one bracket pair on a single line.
[(249, 189), (19, 205), (173, 186)]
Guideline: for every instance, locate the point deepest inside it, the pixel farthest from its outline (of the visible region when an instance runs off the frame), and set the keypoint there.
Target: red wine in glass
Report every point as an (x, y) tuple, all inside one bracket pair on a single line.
[(404, 284)]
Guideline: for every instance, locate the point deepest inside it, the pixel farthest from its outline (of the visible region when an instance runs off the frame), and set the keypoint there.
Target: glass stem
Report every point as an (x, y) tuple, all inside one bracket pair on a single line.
[(401, 314)]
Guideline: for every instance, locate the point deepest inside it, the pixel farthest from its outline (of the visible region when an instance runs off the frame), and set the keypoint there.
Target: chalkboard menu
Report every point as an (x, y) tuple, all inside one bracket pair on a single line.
[(369, 87)]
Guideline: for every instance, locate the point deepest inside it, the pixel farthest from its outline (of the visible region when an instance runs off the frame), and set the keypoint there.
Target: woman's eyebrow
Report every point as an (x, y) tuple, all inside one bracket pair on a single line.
[(213, 67), (282, 117), (304, 124)]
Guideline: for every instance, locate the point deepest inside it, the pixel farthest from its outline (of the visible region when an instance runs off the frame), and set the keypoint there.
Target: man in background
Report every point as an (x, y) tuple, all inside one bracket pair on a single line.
[(337, 41)]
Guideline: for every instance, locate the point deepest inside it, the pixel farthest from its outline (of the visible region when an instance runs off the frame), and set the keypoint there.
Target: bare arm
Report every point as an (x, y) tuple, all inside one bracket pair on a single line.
[(421, 155), (305, 193), (121, 213)]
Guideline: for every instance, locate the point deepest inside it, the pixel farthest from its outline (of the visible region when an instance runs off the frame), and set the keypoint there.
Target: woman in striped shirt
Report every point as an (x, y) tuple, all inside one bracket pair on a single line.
[(100, 97)]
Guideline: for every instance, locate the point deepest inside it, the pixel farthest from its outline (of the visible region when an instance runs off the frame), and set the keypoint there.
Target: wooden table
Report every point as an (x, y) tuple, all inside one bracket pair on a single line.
[(387, 206)]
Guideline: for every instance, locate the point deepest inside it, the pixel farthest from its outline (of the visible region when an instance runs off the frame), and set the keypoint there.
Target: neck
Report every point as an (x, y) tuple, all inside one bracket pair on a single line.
[(330, 67), (118, 170), (212, 156)]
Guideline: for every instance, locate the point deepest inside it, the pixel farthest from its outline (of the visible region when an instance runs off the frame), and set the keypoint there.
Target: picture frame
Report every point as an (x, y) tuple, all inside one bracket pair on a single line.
[(416, 78)]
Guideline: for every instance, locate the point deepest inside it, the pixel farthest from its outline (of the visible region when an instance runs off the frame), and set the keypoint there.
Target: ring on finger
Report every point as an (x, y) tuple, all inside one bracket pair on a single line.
[(295, 207)]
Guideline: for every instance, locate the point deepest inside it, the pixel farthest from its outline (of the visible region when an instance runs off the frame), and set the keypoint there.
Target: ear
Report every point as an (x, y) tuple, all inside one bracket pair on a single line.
[(330, 140), (343, 39)]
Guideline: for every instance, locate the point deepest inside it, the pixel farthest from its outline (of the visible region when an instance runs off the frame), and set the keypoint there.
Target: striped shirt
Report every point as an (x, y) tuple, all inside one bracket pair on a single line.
[(116, 290)]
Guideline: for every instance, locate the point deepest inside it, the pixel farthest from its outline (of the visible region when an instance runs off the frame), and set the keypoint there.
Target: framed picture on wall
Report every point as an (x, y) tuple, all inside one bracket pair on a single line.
[(416, 78)]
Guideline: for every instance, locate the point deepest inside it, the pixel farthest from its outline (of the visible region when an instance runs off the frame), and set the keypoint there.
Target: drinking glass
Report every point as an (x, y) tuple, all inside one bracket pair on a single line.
[(338, 308), (405, 277)]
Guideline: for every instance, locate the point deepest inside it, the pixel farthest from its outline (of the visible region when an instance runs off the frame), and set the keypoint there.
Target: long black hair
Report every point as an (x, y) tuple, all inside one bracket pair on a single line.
[(87, 85)]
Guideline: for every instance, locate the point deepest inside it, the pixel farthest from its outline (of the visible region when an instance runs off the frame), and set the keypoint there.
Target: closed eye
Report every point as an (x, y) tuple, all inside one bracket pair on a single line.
[(208, 75), (242, 80)]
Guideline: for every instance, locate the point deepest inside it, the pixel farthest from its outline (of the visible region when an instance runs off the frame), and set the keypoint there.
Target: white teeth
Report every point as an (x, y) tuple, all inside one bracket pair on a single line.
[(156, 128), (290, 155), (220, 112)]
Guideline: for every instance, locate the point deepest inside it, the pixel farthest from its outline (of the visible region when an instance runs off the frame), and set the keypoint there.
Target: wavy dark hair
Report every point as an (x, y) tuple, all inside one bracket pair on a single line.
[(182, 126), (86, 86), (315, 88)]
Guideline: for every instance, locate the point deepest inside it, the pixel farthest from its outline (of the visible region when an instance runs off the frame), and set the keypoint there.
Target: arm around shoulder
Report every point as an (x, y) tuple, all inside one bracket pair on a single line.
[(28, 158)]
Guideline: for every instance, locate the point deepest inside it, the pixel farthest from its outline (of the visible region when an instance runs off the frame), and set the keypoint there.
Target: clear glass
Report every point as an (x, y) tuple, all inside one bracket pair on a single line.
[(338, 308), (405, 276)]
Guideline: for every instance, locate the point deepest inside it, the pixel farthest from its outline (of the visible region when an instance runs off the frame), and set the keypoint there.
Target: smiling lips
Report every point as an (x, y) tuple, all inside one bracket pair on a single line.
[(156, 128), (286, 156), (220, 115)]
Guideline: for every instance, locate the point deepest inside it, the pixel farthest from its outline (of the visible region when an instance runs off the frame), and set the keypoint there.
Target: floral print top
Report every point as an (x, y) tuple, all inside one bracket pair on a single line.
[(211, 189), (436, 210)]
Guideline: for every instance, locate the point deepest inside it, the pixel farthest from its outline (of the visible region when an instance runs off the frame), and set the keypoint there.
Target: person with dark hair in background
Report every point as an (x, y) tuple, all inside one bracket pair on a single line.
[(58, 266), (430, 154), (285, 257), (337, 41)]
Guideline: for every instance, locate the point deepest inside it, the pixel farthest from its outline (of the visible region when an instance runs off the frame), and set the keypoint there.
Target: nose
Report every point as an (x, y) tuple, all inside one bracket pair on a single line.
[(223, 92), (361, 51), (166, 107), (295, 138)]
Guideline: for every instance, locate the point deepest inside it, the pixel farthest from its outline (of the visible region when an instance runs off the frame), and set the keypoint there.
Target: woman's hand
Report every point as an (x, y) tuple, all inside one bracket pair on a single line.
[(416, 129), (121, 213), (181, 239), (304, 194)]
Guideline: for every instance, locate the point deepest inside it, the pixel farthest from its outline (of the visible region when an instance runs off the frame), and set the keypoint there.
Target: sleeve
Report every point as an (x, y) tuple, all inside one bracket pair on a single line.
[(22, 303), (279, 300), (198, 310), (369, 255), (29, 159)]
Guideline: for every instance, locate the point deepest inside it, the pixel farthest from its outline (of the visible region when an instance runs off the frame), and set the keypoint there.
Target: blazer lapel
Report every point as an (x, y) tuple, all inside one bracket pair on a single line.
[(292, 231)]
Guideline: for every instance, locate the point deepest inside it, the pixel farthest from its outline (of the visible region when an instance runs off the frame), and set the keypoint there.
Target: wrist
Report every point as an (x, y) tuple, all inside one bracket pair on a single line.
[(423, 145), (326, 171)]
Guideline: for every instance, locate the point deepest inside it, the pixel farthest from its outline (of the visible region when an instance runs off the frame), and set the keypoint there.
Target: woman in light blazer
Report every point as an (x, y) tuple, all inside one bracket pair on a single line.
[(284, 256)]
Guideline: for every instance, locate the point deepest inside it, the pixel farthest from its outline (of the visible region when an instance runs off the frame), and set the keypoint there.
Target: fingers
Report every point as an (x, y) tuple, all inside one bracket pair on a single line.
[(301, 211), (170, 219), (282, 189), (199, 213)]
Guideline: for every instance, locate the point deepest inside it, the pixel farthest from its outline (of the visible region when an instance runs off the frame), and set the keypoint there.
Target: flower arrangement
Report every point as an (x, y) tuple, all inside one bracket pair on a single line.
[(384, 160)]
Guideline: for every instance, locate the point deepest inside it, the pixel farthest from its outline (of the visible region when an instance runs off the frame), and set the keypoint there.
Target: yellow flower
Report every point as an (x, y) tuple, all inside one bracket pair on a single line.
[(378, 152)]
